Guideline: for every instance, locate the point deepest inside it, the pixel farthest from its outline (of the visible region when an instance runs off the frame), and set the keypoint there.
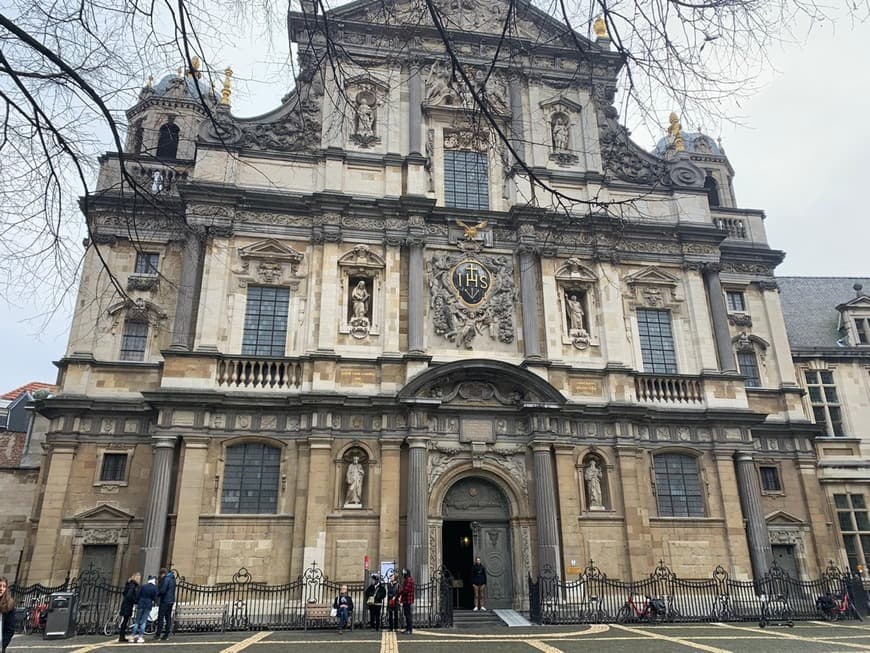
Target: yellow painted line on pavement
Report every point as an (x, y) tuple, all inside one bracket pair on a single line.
[(594, 629), (93, 647), (673, 640), (245, 643), (546, 648), (389, 643), (799, 638)]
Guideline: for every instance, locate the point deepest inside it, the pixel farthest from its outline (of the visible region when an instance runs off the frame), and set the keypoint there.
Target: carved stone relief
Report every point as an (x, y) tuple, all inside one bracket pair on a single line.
[(269, 262), (471, 296), (446, 87), (652, 287), (361, 281)]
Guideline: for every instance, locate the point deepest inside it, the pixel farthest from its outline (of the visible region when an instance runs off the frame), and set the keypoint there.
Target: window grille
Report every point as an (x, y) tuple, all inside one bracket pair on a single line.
[(770, 481), (656, 341), (747, 361), (252, 474), (266, 321)]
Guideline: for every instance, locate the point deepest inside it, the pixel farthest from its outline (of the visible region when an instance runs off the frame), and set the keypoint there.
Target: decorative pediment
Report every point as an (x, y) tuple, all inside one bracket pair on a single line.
[(362, 259), (652, 287), (366, 82), (102, 513), (269, 262), (747, 342), (860, 303), (782, 518), (652, 276), (573, 270), (560, 104), (139, 310)]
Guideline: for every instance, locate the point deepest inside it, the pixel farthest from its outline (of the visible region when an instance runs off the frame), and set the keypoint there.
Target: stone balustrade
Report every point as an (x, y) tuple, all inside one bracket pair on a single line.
[(736, 227), (669, 389), (251, 373)]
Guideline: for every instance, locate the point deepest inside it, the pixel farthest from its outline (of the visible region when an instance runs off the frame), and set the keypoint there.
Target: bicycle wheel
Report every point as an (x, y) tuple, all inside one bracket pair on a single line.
[(27, 627), (150, 627), (623, 615)]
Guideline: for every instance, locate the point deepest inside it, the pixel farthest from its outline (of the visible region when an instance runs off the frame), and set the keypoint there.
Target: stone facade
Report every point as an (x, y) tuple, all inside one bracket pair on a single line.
[(496, 350)]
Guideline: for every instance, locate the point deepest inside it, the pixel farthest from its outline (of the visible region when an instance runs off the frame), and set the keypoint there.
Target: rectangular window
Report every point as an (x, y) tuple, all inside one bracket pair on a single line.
[(824, 400), (861, 330), (736, 301), (466, 180), (855, 528), (114, 467), (656, 341), (134, 340), (748, 363), (677, 486), (770, 478), (252, 474), (146, 262), (266, 321)]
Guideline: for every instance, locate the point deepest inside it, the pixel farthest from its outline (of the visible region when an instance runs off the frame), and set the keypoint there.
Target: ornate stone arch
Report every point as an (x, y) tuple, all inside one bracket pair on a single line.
[(488, 471)]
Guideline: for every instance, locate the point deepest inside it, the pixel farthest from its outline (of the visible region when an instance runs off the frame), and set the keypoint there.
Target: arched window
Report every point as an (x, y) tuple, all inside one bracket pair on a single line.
[(138, 136), (678, 486), (252, 473), (167, 141), (712, 189)]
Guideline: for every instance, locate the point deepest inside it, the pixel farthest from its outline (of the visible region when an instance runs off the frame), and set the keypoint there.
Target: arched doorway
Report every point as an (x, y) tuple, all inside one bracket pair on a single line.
[(476, 524)]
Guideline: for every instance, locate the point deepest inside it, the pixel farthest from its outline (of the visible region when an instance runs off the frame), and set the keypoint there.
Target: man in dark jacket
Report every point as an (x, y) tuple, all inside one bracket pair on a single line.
[(166, 596), (147, 597), (478, 582)]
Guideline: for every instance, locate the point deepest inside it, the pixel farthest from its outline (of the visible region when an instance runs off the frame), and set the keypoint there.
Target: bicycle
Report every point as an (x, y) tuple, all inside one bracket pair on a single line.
[(837, 606), (36, 616), (593, 613), (652, 610), (722, 609), (113, 624), (776, 611)]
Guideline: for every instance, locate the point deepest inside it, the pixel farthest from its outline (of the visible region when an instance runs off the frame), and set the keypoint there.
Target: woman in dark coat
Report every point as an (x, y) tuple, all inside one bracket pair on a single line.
[(128, 602), (7, 613)]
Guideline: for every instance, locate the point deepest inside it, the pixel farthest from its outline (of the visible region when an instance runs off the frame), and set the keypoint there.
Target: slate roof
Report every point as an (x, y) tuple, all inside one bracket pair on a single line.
[(809, 305), (31, 387)]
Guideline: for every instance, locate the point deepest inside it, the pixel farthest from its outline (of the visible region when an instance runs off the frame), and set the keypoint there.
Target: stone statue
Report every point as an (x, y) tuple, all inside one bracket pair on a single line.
[(575, 313), (560, 129), (157, 182), (355, 475), (360, 297), (365, 118), (593, 485)]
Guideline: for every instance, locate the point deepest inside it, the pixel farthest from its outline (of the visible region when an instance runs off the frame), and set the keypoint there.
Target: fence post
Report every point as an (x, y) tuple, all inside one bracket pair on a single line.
[(534, 600)]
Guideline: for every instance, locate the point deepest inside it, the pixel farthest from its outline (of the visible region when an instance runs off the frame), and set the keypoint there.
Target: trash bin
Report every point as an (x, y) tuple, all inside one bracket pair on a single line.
[(60, 622)]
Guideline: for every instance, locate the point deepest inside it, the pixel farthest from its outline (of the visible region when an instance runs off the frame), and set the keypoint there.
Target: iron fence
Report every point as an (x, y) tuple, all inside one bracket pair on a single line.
[(242, 603), (592, 597)]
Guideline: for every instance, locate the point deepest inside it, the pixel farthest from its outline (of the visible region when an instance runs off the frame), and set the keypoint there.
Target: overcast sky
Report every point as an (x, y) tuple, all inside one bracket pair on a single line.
[(802, 154)]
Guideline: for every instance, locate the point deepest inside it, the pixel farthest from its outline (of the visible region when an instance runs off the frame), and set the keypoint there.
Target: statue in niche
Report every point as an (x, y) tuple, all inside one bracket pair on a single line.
[(359, 300), (359, 322), (561, 132), (575, 312), (365, 118), (355, 475), (592, 475)]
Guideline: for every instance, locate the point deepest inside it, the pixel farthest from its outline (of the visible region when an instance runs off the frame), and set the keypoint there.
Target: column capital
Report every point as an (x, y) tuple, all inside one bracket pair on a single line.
[(417, 441), (195, 441), (64, 448), (391, 445), (743, 457), (541, 446), (163, 441)]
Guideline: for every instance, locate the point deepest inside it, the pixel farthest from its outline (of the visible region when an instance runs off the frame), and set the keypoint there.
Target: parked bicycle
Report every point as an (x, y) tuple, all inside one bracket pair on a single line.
[(722, 609), (776, 611), (834, 607), (113, 624), (651, 609), (36, 616)]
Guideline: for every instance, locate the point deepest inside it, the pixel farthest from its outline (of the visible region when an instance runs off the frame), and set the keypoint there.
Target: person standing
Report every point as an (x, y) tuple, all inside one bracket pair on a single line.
[(406, 598), (147, 597), (478, 583), (7, 613), (343, 606), (393, 602), (128, 602), (375, 594), (166, 597)]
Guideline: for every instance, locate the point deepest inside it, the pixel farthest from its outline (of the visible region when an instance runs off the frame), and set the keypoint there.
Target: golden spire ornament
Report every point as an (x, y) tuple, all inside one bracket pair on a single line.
[(675, 131), (600, 28), (227, 90)]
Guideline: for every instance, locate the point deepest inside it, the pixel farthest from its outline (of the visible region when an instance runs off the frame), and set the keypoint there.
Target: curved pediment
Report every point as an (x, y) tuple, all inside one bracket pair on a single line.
[(481, 382)]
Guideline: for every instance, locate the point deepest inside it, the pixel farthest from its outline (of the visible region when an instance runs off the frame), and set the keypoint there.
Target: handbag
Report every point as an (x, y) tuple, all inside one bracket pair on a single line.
[(370, 600), (333, 612), (393, 602)]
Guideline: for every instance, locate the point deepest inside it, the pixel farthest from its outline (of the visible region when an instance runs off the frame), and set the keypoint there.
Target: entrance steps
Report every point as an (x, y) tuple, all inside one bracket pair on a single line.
[(479, 619)]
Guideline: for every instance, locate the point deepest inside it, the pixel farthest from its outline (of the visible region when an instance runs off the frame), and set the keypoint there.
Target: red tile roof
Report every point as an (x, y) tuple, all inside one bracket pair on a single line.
[(31, 387)]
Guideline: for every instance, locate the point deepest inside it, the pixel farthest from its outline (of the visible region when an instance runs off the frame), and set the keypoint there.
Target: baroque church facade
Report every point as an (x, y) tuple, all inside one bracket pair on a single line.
[(428, 308)]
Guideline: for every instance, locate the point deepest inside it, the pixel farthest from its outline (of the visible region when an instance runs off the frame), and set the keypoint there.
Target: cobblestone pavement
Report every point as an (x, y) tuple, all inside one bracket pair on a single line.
[(711, 638)]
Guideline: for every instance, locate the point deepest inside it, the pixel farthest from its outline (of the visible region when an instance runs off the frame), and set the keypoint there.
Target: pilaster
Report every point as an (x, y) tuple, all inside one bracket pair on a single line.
[(569, 503), (529, 299), (300, 511), (637, 526), (826, 544), (319, 467), (191, 485), (415, 296), (388, 543), (757, 536), (546, 507), (719, 315), (416, 519), (42, 569), (188, 291)]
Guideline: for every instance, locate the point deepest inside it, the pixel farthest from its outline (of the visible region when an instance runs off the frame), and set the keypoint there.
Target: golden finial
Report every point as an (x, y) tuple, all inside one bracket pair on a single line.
[(600, 28), (150, 82), (194, 67), (675, 131), (227, 91)]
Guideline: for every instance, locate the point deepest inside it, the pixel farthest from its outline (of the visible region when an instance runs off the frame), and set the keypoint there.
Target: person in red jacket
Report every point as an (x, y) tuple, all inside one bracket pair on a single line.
[(406, 598)]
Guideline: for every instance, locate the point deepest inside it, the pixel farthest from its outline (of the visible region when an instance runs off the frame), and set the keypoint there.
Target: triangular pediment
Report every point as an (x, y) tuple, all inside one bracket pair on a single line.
[(782, 518), (465, 17), (862, 302), (559, 103), (574, 270), (652, 276), (101, 513), (270, 249)]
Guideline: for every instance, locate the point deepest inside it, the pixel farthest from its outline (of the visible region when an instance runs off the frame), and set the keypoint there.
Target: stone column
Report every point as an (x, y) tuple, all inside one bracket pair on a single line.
[(760, 554), (516, 101), (60, 462), (529, 299), (191, 484), (415, 108), (735, 531), (719, 314), (546, 508), (418, 495), (188, 289), (158, 504), (415, 296), (388, 541)]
